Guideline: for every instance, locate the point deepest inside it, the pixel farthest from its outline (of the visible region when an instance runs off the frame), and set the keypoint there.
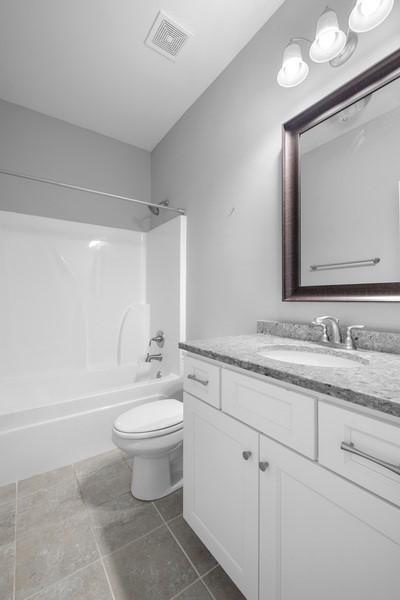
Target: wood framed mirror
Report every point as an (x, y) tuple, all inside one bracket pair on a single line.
[(341, 192)]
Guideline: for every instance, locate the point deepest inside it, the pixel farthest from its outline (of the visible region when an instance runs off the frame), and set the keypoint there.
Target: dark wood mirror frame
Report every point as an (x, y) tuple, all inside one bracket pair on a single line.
[(364, 84)]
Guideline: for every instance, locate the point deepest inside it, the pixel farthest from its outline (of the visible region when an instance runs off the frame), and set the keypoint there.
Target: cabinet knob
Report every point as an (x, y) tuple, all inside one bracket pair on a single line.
[(263, 466), (246, 454)]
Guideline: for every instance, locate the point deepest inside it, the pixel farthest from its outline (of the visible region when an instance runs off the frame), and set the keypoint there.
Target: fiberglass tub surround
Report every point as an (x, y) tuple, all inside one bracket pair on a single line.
[(79, 307)]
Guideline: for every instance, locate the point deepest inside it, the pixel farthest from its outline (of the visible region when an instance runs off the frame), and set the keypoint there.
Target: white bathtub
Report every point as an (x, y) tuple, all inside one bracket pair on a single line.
[(66, 423)]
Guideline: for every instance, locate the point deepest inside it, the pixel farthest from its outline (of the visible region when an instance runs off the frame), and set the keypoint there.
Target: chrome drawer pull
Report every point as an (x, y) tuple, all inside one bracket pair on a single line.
[(353, 450), (194, 378)]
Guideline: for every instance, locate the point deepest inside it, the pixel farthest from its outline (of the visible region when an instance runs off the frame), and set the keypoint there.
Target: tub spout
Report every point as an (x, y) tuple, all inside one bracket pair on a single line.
[(150, 357)]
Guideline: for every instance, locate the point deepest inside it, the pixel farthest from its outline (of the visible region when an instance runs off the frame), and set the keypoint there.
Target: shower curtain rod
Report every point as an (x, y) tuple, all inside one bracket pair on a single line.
[(68, 186)]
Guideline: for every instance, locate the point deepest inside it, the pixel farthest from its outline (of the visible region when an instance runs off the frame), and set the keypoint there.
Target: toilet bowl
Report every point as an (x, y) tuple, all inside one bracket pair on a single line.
[(152, 437)]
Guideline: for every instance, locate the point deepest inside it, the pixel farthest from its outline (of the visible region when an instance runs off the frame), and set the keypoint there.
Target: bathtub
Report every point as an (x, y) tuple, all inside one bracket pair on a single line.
[(63, 423)]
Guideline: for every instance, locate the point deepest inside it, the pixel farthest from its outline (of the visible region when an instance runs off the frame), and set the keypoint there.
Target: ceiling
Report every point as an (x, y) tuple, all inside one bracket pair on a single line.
[(84, 61)]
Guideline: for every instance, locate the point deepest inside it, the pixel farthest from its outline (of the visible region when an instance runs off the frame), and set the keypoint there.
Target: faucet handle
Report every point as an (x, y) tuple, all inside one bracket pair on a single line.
[(324, 337), (349, 342)]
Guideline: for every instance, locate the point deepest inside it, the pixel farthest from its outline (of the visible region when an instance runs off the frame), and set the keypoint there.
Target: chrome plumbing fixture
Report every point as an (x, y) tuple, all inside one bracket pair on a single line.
[(324, 337), (159, 339), (151, 357), (155, 210), (331, 332)]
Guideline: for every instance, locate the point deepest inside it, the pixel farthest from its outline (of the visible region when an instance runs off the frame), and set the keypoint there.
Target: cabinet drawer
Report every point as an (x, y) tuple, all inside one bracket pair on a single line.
[(379, 441), (287, 416), (202, 380)]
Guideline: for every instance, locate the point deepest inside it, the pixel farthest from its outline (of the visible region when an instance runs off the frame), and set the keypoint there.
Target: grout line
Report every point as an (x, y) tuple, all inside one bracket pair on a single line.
[(184, 589), (205, 584), (178, 542), (133, 541), (184, 552), (201, 577), (101, 559), (15, 541), (61, 580), (94, 537), (210, 570)]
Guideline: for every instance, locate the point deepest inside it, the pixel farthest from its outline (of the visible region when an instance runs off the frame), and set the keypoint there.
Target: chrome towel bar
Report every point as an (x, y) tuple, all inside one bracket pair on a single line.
[(369, 262)]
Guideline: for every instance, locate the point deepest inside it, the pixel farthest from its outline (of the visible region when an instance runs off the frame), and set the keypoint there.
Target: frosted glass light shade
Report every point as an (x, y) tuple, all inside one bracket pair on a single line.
[(329, 39), (368, 14), (294, 70)]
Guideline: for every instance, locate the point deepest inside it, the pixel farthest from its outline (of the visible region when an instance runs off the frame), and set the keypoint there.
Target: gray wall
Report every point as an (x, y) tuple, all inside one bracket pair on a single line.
[(50, 148), (350, 204), (222, 162)]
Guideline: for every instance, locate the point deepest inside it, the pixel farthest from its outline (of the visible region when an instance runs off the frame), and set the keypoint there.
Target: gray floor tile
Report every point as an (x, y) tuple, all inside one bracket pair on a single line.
[(50, 506), (7, 558), (152, 568), (94, 463), (52, 553), (196, 550), (7, 523), (106, 483), (122, 520), (221, 586), (171, 506), (89, 583), (197, 591), (45, 480), (8, 493)]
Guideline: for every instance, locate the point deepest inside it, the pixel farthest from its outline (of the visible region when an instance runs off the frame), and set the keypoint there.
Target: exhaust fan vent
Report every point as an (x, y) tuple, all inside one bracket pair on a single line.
[(166, 36)]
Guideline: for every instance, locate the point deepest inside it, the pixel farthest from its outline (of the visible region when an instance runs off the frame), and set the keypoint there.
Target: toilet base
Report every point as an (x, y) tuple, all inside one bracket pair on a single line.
[(154, 477)]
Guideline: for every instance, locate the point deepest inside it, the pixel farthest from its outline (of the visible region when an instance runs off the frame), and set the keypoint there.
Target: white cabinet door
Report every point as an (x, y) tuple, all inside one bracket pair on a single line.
[(221, 490), (286, 415), (321, 537)]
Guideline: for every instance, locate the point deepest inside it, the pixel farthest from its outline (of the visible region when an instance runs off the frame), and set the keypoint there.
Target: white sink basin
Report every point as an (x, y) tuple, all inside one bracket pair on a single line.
[(311, 358)]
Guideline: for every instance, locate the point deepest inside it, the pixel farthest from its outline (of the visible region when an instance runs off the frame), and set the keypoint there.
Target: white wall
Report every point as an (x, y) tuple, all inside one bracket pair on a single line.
[(79, 303), (166, 288), (66, 288), (222, 162), (49, 148)]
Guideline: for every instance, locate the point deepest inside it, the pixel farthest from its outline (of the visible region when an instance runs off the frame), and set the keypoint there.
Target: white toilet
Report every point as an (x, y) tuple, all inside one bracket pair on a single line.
[(152, 436)]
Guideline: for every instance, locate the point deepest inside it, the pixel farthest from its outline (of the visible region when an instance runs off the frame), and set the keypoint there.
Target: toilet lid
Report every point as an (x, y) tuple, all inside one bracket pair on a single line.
[(151, 416)]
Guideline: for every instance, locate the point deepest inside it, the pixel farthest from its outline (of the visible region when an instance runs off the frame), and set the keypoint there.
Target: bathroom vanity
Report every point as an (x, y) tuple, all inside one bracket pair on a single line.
[(292, 471)]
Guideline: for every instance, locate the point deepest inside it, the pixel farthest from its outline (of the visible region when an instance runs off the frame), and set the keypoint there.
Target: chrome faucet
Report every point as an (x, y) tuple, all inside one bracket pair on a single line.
[(150, 357), (332, 336)]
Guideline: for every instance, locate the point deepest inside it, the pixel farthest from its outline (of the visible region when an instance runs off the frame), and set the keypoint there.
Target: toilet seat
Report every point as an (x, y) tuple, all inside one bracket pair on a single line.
[(152, 419)]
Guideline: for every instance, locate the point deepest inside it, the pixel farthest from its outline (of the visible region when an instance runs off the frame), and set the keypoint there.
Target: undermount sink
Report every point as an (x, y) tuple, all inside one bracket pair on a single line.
[(312, 358)]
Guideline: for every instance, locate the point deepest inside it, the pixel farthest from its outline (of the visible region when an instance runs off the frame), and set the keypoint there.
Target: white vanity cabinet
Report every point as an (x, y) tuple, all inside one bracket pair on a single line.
[(221, 489), (322, 537), (282, 525)]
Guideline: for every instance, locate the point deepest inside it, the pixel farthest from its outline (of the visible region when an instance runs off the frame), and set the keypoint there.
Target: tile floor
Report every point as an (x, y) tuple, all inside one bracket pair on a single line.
[(78, 534)]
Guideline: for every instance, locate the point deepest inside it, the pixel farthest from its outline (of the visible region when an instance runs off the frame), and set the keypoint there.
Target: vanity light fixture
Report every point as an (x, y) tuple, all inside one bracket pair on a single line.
[(294, 69), (329, 39), (368, 14), (331, 44)]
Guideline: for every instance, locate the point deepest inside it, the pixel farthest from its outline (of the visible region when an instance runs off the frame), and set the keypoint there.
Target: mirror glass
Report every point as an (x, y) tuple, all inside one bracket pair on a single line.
[(350, 193)]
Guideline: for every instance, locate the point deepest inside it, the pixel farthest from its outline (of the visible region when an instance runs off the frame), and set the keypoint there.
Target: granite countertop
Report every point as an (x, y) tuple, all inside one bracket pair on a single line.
[(374, 382)]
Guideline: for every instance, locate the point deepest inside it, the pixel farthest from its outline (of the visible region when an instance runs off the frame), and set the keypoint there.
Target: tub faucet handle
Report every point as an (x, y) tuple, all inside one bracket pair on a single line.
[(159, 339)]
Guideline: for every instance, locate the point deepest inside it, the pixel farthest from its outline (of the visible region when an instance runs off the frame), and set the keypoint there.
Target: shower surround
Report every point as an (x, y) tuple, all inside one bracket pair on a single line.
[(78, 307)]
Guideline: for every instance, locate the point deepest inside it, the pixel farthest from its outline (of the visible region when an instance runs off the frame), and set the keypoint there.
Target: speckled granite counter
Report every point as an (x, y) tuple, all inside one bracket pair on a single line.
[(374, 382)]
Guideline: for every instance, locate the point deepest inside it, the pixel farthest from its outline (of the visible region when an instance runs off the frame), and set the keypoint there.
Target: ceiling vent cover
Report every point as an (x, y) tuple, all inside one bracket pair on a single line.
[(166, 36)]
